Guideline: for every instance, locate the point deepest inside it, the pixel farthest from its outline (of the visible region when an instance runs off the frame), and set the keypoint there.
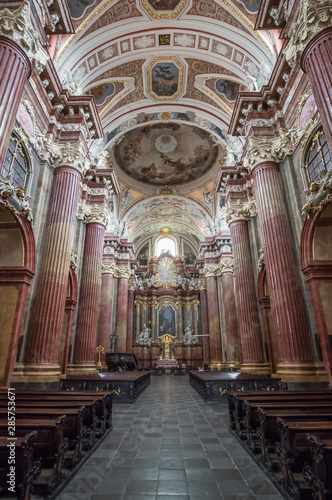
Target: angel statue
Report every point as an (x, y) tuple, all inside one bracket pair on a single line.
[(188, 336), (144, 337)]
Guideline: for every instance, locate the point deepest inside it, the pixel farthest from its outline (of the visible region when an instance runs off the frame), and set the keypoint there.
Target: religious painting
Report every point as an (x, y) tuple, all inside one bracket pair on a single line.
[(227, 88), (251, 5), (102, 92), (166, 153), (164, 4), (165, 79), (166, 210), (77, 7), (189, 256), (166, 321), (143, 255)]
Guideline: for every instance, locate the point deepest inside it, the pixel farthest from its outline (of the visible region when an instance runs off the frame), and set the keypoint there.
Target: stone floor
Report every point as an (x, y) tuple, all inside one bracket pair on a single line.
[(170, 445)]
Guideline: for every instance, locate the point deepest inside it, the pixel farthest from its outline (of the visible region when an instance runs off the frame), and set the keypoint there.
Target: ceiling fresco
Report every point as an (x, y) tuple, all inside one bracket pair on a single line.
[(166, 153), (165, 75)]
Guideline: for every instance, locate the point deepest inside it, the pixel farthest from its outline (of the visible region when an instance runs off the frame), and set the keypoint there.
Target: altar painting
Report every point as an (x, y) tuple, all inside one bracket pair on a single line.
[(166, 321)]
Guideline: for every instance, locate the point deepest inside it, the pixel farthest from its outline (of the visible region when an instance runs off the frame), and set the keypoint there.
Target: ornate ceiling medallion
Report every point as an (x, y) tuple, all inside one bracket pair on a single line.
[(164, 9), (165, 78)]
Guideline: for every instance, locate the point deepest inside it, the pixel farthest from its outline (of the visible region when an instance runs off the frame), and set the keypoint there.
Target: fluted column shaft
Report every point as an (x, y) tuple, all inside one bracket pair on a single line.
[(87, 314), (232, 334), (204, 325), (287, 299), (137, 318), (51, 287), (316, 61), (213, 318), (105, 312), (15, 69), (251, 340), (121, 315), (130, 322)]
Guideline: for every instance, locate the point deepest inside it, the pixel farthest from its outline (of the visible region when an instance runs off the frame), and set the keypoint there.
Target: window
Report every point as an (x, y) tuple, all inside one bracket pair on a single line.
[(166, 245), (16, 163), (318, 161)]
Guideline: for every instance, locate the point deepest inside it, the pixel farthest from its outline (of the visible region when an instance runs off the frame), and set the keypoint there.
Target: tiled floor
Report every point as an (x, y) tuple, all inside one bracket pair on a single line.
[(170, 445)]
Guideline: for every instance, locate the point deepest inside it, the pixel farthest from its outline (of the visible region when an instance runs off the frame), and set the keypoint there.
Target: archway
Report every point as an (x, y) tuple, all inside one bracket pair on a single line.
[(17, 268), (316, 261)]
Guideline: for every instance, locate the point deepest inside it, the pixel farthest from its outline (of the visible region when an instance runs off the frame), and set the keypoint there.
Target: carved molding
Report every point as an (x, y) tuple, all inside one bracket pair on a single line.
[(17, 26), (241, 211), (262, 149), (314, 16), (15, 198)]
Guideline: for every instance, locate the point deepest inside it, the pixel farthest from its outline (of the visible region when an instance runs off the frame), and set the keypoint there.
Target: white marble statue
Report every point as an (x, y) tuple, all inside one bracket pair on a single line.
[(144, 337), (188, 336)]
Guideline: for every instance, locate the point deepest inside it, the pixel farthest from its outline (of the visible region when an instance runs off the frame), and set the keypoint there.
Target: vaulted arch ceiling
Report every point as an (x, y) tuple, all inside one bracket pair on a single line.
[(164, 73)]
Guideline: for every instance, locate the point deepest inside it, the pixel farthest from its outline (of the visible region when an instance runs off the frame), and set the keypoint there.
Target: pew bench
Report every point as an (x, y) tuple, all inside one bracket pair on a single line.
[(319, 475)]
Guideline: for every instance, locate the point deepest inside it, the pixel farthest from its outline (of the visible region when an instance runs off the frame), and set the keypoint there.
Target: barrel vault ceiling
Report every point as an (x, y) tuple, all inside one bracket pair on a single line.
[(165, 75)]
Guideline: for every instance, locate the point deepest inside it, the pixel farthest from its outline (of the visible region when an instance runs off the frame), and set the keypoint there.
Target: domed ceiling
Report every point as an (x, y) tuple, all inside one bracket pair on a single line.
[(166, 153)]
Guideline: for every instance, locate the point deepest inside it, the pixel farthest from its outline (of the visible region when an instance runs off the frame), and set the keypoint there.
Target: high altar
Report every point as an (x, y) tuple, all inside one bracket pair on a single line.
[(168, 308)]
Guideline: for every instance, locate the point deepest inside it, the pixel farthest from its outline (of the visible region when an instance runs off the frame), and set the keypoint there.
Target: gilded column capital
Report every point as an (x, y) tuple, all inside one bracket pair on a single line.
[(122, 272), (226, 266), (314, 16), (138, 302), (263, 149), (195, 302), (241, 211), (70, 155), (201, 284), (17, 26), (108, 267), (211, 270), (96, 213), (131, 285)]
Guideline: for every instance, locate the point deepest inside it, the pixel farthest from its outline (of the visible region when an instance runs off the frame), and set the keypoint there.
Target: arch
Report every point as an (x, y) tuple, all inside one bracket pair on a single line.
[(267, 319), (71, 301), (159, 249), (316, 262), (17, 269)]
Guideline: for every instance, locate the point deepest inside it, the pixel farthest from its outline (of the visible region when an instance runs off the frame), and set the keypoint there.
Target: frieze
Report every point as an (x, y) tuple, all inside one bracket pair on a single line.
[(17, 26), (314, 16), (262, 149)]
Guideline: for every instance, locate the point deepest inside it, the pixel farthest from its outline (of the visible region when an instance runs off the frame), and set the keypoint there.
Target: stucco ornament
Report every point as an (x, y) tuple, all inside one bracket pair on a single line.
[(108, 268), (96, 213), (15, 198), (211, 270), (123, 272), (188, 336), (262, 149), (226, 266), (71, 155), (319, 195), (241, 211), (314, 16), (17, 26), (144, 337), (261, 262)]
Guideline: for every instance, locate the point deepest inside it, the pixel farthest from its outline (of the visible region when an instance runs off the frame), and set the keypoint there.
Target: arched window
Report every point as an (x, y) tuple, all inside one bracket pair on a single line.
[(165, 245), (318, 159), (16, 163)]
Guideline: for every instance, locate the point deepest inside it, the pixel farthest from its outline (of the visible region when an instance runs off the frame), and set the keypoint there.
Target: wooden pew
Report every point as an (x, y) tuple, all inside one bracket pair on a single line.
[(104, 401), (268, 430), (294, 452), (26, 469), (49, 448), (90, 419), (74, 428), (319, 474)]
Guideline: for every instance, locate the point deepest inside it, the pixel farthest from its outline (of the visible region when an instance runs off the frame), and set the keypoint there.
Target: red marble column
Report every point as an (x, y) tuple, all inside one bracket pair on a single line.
[(213, 318), (87, 314), (232, 334), (121, 313), (130, 321), (247, 307), (105, 311), (316, 61), (15, 69), (204, 325), (42, 355), (287, 301)]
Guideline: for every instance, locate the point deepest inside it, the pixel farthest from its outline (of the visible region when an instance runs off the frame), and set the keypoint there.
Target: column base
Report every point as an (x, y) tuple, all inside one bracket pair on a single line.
[(256, 368), (300, 372), (82, 369), (33, 373)]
